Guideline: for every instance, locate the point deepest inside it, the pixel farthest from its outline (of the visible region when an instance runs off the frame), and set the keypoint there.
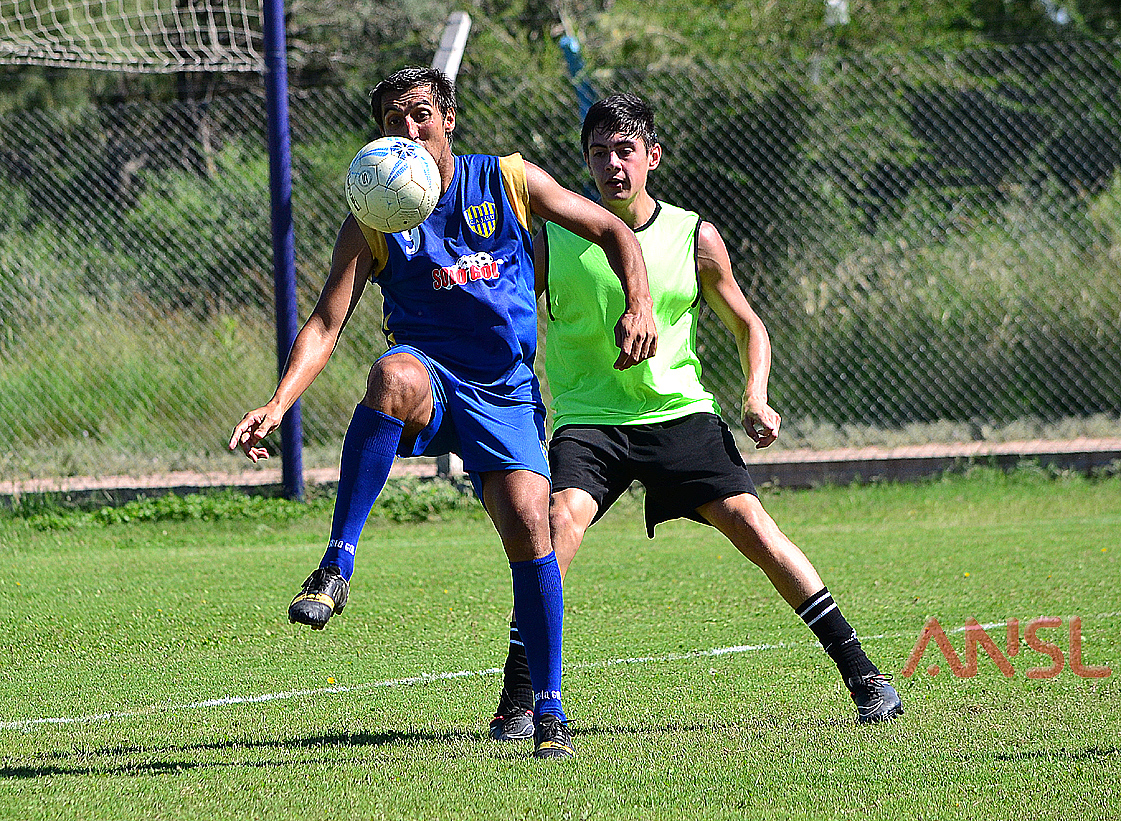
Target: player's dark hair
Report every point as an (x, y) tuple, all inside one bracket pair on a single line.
[(623, 114), (408, 78)]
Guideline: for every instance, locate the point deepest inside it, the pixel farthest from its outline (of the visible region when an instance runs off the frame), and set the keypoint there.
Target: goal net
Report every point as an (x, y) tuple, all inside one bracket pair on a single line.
[(133, 35)]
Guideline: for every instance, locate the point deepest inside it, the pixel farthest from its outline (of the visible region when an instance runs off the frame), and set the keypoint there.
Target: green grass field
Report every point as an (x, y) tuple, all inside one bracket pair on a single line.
[(150, 672)]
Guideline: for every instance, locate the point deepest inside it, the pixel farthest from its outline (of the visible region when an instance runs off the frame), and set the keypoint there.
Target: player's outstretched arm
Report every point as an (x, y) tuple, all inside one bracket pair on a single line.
[(540, 264), (724, 296), (635, 333), (350, 266)]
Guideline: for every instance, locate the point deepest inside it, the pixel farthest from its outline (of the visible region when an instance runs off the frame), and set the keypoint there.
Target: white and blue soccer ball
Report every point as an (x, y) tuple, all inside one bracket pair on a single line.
[(393, 185)]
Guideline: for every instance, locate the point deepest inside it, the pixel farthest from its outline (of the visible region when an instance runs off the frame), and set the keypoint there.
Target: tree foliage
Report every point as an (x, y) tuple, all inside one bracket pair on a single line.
[(353, 44)]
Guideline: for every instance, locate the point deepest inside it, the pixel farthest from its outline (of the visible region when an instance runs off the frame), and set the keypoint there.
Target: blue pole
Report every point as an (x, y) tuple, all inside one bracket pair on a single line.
[(283, 243), (585, 94)]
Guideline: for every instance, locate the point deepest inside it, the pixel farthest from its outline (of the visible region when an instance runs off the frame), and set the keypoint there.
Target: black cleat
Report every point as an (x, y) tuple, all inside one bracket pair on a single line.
[(552, 739), (875, 699), (323, 594), (512, 726)]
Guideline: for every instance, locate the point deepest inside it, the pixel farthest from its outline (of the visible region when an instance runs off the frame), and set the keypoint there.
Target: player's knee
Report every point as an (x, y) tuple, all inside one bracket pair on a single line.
[(518, 504), (524, 533), (562, 524), (398, 386), (571, 511), (535, 520), (748, 525), (532, 510)]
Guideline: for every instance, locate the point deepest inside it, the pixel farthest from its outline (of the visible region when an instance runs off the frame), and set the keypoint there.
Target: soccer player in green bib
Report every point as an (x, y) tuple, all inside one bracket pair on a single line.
[(655, 422)]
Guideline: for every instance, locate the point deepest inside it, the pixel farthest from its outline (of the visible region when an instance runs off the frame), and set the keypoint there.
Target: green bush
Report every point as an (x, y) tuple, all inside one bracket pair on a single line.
[(404, 499), (983, 322)]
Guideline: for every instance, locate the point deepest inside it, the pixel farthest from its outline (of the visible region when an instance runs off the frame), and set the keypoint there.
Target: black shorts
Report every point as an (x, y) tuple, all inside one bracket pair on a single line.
[(683, 464)]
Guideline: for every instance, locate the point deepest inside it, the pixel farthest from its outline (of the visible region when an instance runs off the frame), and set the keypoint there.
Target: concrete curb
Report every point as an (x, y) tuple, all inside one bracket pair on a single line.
[(789, 468), (907, 464)]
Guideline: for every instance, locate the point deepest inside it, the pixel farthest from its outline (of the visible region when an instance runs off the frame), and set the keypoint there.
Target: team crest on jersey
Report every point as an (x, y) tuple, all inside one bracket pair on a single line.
[(480, 218)]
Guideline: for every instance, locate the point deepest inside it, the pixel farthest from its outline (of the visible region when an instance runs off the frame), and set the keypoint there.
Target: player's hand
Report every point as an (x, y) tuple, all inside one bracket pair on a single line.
[(760, 421), (636, 336), (253, 427)]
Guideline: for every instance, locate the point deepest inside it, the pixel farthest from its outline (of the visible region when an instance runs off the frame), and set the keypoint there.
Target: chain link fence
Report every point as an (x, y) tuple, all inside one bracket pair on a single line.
[(934, 242)]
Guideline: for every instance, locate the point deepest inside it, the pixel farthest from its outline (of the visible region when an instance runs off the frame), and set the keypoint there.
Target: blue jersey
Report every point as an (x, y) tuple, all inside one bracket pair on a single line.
[(460, 286)]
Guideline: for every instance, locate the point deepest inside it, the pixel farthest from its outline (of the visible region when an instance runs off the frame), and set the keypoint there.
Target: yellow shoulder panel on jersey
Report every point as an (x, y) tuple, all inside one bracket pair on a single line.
[(378, 247), (517, 189)]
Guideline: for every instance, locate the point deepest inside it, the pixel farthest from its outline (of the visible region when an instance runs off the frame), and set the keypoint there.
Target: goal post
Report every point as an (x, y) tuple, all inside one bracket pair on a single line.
[(221, 36), (452, 44), (283, 235), (166, 36)]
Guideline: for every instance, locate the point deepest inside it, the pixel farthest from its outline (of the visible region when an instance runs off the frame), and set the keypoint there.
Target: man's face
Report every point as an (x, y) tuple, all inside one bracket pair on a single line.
[(415, 115), (619, 164)]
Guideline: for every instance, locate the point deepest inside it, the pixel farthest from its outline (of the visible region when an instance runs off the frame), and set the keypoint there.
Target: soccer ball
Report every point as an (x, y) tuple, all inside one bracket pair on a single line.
[(393, 185)]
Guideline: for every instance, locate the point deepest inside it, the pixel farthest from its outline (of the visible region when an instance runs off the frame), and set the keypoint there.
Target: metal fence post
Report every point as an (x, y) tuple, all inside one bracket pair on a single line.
[(283, 242)]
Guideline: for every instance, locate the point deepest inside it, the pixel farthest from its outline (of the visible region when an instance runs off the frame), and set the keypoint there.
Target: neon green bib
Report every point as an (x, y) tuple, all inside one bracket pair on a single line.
[(585, 302)]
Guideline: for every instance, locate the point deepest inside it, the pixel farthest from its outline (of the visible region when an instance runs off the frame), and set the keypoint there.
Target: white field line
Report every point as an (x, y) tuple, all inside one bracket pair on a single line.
[(430, 677), (396, 682)]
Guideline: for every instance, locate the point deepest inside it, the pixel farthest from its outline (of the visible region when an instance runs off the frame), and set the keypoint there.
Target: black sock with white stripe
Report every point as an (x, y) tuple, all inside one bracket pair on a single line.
[(823, 617), (517, 691)]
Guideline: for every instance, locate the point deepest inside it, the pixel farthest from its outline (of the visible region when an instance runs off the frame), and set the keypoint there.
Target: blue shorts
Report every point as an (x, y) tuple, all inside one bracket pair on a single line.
[(488, 429)]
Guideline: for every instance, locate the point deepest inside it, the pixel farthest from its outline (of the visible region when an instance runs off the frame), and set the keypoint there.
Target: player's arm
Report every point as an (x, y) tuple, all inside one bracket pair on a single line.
[(724, 296), (351, 263), (540, 264), (635, 333)]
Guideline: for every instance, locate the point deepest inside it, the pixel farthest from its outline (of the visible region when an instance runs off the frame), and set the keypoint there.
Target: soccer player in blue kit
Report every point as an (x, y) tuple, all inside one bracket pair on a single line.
[(460, 316)]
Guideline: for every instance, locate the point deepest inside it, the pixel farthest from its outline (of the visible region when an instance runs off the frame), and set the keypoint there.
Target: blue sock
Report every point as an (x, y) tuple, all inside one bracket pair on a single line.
[(368, 450), (539, 610)]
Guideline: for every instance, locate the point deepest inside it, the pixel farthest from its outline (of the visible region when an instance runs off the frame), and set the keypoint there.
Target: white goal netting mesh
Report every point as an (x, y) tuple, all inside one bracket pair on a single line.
[(133, 35)]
